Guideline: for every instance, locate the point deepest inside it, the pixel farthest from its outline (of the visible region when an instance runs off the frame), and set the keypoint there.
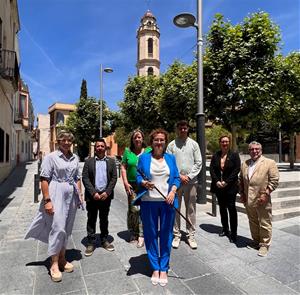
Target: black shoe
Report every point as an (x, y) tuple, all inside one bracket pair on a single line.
[(223, 233), (233, 238)]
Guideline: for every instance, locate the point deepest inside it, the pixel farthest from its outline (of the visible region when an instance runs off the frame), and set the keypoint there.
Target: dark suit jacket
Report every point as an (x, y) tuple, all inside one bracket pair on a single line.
[(88, 177), (230, 172)]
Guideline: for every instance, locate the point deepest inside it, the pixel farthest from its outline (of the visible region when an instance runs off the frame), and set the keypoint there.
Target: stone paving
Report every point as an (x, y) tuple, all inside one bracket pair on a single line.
[(216, 267)]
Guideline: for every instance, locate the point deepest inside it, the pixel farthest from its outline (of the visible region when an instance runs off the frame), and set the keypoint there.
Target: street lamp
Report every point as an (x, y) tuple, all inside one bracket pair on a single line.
[(185, 20), (106, 70)]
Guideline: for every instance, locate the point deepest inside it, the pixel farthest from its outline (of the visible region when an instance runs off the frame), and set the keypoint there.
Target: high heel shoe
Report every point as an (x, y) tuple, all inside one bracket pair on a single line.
[(154, 280), (163, 282)]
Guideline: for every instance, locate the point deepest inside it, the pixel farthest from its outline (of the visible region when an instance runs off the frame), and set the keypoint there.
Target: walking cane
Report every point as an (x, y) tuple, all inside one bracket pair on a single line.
[(145, 178)]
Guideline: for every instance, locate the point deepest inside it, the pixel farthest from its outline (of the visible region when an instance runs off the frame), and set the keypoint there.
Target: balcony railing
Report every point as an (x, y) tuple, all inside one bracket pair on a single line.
[(9, 68)]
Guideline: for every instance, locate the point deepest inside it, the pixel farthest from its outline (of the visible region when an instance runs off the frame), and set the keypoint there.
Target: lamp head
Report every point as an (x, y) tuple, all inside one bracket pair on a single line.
[(108, 70), (184, 20)]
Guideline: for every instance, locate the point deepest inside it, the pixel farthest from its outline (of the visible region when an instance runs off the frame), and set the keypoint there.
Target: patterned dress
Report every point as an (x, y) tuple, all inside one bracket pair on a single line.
[(62, 174)]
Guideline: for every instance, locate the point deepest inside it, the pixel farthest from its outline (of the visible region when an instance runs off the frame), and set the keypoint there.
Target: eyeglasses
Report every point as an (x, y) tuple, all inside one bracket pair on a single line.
[(254, 149)]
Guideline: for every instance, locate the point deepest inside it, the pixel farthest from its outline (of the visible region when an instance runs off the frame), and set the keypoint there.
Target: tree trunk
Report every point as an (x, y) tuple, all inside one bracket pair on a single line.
[(234, 137), (292, 150)]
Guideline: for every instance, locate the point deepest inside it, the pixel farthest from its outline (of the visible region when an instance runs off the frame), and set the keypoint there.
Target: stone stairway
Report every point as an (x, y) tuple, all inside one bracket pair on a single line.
[(285, 199)]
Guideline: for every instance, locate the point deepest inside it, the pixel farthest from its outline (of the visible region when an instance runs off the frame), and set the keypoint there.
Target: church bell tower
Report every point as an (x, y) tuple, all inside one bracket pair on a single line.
[(148, 62)]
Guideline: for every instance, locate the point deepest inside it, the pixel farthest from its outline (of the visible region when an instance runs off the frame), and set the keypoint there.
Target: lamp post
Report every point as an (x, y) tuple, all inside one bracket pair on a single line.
[(185, 20), (106, 70)]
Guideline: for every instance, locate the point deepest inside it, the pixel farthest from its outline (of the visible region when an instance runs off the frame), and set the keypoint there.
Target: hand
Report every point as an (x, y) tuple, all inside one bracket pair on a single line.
[(148, 185), (49, 208), (184, 179), (243, 198), (128, 188), (103, 196), (219, 184), (170, 197), (224, 184), (263, 199), (96, 197)]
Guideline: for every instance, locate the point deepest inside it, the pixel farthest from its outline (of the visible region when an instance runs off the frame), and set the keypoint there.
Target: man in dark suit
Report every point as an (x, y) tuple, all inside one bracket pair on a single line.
[(224, 169), (99, 177)]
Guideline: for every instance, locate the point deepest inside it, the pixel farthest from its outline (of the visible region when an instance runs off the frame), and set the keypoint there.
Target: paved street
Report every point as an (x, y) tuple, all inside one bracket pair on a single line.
[(216, 267)]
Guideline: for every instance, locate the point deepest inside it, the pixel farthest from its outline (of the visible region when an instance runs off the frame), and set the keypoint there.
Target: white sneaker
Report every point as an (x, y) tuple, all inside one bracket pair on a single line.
[(192, 243), (176, 242)]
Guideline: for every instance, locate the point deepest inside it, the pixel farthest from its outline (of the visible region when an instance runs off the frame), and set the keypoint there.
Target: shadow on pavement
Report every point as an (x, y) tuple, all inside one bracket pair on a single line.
[(9, 185), (124, 235), (71, 255), (211, 228), (139, 265)]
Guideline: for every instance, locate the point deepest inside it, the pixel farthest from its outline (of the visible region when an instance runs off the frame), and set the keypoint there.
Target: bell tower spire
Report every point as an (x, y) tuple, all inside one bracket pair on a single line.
[(148, 62)]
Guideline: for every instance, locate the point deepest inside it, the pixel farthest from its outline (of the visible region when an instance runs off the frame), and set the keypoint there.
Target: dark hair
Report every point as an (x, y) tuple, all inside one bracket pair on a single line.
[(134, 132), (222, 136), (155, 132), (182, 123), (100, 139)]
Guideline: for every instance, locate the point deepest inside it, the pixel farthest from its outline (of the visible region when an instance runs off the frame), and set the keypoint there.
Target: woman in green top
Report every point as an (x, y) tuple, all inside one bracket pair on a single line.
[(128, 171)]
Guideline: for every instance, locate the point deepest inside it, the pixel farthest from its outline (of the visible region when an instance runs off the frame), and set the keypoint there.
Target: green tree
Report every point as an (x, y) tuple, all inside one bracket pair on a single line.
[(140, 106), (84, 124), (83, 90), (178, 95), (239, 70), (285, 106)]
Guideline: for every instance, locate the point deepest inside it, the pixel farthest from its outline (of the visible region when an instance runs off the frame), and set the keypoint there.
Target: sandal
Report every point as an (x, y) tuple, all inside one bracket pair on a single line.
[(140, 243), (66, 266), (56, 276)]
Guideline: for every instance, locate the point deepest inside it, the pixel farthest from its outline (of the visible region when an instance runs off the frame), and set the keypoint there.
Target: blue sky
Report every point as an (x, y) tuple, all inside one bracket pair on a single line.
[(65, 41)]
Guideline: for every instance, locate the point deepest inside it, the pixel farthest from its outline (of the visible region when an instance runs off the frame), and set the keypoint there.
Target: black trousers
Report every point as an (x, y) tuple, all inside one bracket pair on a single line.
[(227, 205), (93, 208)]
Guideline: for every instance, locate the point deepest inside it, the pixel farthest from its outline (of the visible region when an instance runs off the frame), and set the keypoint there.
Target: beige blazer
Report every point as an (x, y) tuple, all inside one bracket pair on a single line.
[(265, 175)]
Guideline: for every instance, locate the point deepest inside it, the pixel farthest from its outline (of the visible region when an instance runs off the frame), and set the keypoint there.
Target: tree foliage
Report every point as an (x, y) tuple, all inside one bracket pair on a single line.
[(140, 106), (239, 69), (178, 95), (83, 90)]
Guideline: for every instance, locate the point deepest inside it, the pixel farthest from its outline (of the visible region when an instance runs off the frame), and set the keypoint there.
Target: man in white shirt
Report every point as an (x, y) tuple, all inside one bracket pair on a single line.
[(189, 163)]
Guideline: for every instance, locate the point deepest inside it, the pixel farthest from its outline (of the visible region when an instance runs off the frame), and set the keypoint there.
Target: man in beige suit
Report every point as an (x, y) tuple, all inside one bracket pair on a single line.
[(258, 178)]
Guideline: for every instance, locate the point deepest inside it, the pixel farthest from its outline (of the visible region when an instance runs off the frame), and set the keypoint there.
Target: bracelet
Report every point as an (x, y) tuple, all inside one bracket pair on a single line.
[(47, 201)]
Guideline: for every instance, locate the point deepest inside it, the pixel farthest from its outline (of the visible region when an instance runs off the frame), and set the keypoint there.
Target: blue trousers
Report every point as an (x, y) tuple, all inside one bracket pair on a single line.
[(158, 215)]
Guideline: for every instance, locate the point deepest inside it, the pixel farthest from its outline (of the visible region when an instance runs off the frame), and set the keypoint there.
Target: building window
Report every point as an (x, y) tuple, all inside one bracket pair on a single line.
[(60, 119), (7, 148), (22, 148), (22, 108), (1, 145), (150, 47), (150, 71)]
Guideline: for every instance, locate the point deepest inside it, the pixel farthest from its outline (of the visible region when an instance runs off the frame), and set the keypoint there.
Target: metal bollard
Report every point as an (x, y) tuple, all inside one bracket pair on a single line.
[(214, 205), (36, 187)]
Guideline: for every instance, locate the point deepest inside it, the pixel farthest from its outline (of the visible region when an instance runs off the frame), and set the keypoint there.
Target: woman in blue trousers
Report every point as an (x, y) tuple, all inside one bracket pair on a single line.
[(158, 169)]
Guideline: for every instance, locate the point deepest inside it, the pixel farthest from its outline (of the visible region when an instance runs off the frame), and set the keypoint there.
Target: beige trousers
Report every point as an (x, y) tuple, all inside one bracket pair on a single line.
[(260, 222), (188, 192)]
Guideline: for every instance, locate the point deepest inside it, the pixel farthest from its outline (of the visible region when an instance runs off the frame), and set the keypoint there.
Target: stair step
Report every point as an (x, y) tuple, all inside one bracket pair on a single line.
[(286, 192), (281, 214), (286, 202), (280, 210)]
